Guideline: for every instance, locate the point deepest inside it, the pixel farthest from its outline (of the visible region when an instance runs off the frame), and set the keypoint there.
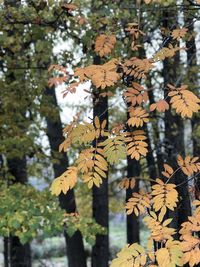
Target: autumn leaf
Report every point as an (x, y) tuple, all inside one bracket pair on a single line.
[(64, 182), (196, 204), (136, 67), (138, 203), (190, 237), (104, 44), (67, 133), (168, 171), (65, 145), (166, 52), (133, 29), (55, 81), (170, 255), (136, 94), (130, 255), (114, 149), (86, 131), (160, 106), (81, 20), (126, 183), (100, 128), (102, 76), (183, 101), (70, 89), (164, 195), (136, 145), (189, 165), (179, 33), (93, 166), (159, 229), (135, 33), (138, 116)]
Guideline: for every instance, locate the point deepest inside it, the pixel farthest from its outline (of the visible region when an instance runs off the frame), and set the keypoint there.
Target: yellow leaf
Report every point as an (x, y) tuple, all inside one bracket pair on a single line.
[(64, 182), (83, 133), (114, 149), (138, 203), (162, 213), (159, 231), (189, 165), (93, 166), (164, 195), (138, 116), (130, 255), (97, 122), (184, 101), (163, 257), (168, 168)]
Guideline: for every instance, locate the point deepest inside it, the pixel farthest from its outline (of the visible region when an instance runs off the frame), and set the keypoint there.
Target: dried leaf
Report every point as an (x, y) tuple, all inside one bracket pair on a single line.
[(104, 44)]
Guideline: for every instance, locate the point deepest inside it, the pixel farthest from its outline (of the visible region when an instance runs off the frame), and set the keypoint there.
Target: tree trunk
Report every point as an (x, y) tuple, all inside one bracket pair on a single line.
[(192, 76), (20, 254), (6, 251), (75, 248), (100, 251), (153, 173), (132, 221), (154, 167), (174, 134), (16, 254)]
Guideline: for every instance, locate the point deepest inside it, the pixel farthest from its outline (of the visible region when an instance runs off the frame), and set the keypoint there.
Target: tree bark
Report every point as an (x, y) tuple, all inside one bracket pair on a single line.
[(5, 252), (16, 254), (132, 221), (75, 248), (174, 134), (193, 84), (154, 166), (100, 251)]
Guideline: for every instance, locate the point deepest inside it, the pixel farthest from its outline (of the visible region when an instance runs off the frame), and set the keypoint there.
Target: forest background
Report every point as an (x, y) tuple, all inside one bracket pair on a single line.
[(42, 45)]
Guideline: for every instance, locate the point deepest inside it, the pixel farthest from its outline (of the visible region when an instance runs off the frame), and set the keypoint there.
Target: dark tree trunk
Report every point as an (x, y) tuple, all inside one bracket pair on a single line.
[(20, 254), (153, 173), (154, 166), (196, 151), (132, 221), (75, 248), (192, 76), (174, 134), (100, 251), (6, 252), (16, 254)]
